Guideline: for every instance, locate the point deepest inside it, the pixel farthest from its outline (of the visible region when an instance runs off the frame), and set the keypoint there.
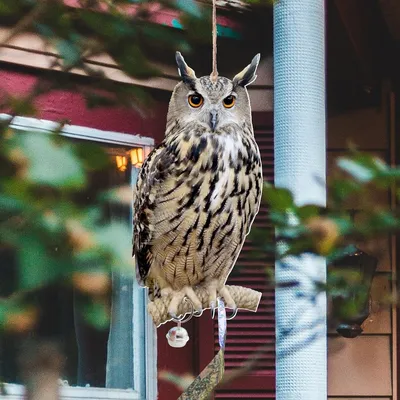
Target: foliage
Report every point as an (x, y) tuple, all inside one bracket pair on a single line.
[(55, 237), (42, 176), (79, 31), (337, 229)]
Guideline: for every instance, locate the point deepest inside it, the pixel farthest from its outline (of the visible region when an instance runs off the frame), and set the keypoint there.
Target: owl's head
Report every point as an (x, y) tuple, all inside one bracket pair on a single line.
[(212, 103)]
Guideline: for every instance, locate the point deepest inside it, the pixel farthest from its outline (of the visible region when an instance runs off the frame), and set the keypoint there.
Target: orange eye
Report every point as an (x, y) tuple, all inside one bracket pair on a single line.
[(229, 101), (195, 100)]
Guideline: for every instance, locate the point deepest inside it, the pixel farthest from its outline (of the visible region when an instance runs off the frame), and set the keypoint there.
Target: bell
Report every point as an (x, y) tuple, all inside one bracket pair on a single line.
[(177, 337)]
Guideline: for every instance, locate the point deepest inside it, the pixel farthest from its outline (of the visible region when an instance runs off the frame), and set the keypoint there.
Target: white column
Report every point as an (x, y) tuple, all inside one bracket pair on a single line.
[(300, 158)]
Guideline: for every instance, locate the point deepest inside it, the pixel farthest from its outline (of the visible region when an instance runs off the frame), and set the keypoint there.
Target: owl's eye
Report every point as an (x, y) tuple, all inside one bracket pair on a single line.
[(229, 101), (195, 100)]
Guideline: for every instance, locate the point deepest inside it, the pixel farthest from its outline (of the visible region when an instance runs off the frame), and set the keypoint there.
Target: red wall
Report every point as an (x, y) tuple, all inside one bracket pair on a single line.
[(61, 105), (65, 105), (178, 361)]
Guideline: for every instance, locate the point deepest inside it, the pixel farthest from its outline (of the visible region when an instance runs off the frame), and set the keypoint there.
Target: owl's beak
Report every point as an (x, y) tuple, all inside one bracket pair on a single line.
[(213, 119)]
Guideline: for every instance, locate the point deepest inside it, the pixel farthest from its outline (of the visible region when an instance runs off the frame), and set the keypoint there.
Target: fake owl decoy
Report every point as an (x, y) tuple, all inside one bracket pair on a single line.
[(198, 191)]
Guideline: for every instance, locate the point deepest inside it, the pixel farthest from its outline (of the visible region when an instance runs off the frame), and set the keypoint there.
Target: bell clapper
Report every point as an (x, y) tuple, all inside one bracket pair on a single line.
[(178, 336)]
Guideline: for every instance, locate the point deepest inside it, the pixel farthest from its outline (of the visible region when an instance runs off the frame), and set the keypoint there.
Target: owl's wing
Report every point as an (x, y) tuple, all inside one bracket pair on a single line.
[(153, 173)]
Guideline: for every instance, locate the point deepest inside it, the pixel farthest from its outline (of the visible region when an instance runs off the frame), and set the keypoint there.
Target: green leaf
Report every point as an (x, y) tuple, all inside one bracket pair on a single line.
[(11, 305), (110, 27), (121, 195), (90, 216), (69, 52), (260, 236), (4, 310), (341, 190), (133, 62), (10, 204), (22, 106), (96, 314), (381, 220), (388, 177), (358, 171), (189, 6), (8, 8), (51, 164), (344, 224), (44, 30), (93, 156), (182, 382), (340, 253), (116, 240), (278, 218), (279, 199), (308, 211), (196, 29), (36, 267), (379, 164)]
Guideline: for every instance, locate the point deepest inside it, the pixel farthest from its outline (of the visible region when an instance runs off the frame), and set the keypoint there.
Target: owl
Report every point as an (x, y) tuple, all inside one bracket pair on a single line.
[(199, 191)]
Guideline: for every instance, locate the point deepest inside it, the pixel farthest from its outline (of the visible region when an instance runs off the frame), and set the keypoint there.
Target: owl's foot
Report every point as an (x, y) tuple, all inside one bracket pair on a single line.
[(214, 290), (229, 302), (176, 298)]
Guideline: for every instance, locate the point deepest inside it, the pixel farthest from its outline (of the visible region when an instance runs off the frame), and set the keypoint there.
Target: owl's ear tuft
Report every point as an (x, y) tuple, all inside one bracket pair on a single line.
[(185, 72), (248, 75)]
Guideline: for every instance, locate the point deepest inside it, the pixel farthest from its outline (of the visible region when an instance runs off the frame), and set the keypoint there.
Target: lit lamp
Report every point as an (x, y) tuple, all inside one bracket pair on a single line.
[(138, 155), (351, 300), (122, 163)]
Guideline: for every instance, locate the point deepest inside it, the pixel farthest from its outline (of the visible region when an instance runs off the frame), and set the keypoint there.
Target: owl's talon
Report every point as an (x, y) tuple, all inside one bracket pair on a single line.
[(213, 307), (182, 319), (229, 302), (212, 296), (233, 315), (185, 294)]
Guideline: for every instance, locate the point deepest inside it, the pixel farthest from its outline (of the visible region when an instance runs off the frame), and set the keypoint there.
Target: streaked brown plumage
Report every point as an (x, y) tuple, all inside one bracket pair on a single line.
[(199, 190)]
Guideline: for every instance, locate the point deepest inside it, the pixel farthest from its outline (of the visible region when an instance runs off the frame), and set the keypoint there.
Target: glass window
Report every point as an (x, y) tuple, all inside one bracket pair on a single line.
[(122, 355)]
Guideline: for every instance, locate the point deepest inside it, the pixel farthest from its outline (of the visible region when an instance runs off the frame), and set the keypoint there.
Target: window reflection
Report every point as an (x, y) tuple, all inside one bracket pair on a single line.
[(87, 349)]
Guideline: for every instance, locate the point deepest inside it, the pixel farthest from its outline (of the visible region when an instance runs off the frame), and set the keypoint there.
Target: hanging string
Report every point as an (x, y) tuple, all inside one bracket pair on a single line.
[(214, 73)]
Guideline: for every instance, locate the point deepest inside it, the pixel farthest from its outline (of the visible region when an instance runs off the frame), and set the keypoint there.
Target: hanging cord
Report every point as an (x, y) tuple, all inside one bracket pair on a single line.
[(214, 73)]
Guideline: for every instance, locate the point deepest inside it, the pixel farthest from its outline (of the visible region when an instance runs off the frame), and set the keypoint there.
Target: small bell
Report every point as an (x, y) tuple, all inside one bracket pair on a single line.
[(177, 336)]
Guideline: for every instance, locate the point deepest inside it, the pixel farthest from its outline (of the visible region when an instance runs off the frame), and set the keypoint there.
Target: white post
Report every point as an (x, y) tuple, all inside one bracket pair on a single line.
[(300, 158)]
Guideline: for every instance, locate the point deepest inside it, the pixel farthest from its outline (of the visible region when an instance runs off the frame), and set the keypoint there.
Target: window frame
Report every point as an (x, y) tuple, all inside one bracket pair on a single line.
[(144, 362)]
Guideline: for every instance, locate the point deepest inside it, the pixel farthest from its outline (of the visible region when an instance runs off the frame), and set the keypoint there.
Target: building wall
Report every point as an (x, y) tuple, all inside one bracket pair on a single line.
[(359, 367), (16, 79), (70, 106), (363, 366)]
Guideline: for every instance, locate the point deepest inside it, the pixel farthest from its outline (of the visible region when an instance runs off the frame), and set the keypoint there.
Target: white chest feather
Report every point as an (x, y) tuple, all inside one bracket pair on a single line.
[(229, 154)]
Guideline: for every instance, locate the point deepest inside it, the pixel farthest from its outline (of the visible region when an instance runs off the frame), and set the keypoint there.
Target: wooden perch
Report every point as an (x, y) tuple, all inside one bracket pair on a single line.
[(245, 299)]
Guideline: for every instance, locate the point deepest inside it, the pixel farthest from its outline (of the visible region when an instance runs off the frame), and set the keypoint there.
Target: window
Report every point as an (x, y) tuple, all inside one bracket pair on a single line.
[(120, 361)]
